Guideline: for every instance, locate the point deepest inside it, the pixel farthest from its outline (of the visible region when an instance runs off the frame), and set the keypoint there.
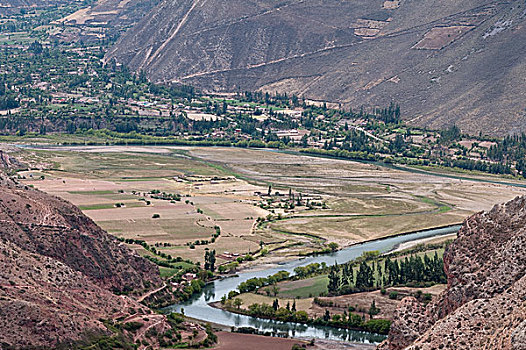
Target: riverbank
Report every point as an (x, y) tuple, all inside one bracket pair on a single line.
[(346, 306), (378, 326), (199, 307), (274, 262)]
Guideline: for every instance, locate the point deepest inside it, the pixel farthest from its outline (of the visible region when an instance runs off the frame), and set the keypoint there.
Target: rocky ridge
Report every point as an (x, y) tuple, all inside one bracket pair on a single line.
[(483, 306), (60, 273), (8, 162)]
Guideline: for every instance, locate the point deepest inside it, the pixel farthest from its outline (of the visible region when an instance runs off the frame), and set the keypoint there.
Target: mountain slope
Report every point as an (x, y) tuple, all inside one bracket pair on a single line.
[(52, 227), (483, 305), (44, 302), (104, 18), (58, 273), (444, 62)]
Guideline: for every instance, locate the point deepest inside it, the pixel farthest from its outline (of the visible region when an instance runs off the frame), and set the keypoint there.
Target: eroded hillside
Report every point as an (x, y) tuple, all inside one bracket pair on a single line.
[(483, 305), (444, 62), (59, 272)]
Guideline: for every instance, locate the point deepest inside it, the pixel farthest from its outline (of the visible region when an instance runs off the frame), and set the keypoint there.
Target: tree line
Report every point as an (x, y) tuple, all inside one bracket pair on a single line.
[(414, 270)]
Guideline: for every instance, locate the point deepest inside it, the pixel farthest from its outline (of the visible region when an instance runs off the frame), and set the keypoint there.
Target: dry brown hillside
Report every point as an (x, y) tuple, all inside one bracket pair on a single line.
[(59, 272), (483, 305), (444, 61)]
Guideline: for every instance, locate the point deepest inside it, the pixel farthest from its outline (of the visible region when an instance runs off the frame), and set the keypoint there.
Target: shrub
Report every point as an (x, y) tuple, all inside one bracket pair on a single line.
[(378, 326), (132, 326)]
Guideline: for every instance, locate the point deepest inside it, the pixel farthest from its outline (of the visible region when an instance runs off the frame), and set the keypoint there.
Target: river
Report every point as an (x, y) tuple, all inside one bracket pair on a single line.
[(198, 307)]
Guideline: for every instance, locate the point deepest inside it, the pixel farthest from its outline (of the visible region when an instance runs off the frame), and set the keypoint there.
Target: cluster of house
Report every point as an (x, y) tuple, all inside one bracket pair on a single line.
[(186, 279)]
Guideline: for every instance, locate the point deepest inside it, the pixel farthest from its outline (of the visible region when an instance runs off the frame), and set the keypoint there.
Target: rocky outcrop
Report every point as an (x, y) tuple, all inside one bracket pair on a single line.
[(483, 306), (59, 272), (444, 62), (8, 162), (50, 226)]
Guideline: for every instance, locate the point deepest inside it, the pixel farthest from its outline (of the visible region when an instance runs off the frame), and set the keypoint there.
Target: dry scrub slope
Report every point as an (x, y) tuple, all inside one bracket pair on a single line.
[(443, 61), (59, 270), (483, 305)]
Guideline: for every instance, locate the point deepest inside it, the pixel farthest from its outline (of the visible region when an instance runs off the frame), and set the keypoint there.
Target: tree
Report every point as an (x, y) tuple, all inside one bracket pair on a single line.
[(210, 260), (373, 310), (275, 289), (333, 246), (302, 316), (238, 302), (334, 279), (364, 277), (327, 316)]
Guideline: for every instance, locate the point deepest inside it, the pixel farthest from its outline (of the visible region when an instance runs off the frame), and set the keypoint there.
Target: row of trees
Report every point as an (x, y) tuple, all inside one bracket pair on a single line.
[(413, 270), (389, 115), (290, 314), (470, 164), (256, 283)]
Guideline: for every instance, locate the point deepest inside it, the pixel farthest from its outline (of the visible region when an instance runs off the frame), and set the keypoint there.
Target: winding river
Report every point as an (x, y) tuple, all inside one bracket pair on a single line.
[(199, 308)]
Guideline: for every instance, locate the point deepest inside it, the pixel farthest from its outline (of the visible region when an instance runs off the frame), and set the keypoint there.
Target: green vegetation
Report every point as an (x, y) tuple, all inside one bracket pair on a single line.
[(167, 272), (290, 314), (420, 266), (375, 273), (317, 286), (256, 283), (174, 271)]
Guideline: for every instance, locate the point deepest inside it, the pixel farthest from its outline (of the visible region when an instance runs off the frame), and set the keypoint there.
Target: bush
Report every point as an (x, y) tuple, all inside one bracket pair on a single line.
[(378, 326), (132, 326), (393, 295), (156, 216)]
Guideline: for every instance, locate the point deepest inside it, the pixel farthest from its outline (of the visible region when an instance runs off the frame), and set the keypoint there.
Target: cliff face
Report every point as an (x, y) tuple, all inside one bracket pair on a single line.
[(58, 271), (483, 305), (445, 62)]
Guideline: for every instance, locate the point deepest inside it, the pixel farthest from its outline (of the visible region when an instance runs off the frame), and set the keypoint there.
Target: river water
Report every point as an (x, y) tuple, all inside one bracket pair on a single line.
[(198, 307)]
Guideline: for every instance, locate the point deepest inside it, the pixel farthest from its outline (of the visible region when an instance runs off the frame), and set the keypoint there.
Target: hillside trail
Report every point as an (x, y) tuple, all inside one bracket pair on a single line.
[(140, 299)]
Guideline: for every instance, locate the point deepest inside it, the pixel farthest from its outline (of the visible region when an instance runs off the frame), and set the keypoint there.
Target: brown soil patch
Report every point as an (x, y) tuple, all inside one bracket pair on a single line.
[(235, 341), (439, 37), (391, 5)]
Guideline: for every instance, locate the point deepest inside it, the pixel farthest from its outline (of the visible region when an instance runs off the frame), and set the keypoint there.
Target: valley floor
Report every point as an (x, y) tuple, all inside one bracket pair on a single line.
[(313, 200)]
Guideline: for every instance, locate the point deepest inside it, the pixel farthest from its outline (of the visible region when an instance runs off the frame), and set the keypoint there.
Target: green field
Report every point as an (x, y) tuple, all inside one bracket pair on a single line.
[(309, 288)]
